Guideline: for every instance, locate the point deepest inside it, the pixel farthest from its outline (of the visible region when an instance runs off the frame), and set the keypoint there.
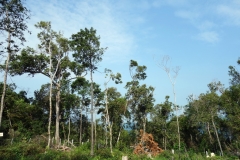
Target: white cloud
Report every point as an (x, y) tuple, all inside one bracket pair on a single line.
[(209, 36), (189, 15), (177, 3), (71, 16), (173, 3), (149, 4), (202, 18), (231, 12), (206, 25)]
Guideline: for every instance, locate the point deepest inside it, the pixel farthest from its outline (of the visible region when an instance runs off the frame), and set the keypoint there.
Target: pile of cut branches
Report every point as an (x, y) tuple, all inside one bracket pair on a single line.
[(147, 145)]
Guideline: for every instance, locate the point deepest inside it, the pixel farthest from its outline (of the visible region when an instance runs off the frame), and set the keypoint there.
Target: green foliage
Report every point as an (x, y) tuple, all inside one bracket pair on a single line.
[(82, 152), (104, 153), (86, 47), (20, 150), (235, 75), (52, 155), (137, 72), (14, 23), (138, 157), (140, 97)]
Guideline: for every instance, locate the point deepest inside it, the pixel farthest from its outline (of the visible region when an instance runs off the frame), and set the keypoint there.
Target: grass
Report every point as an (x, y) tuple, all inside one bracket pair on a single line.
[(33, 151)]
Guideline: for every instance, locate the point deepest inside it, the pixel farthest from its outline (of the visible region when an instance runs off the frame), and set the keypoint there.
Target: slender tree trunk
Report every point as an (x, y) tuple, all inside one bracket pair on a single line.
[(110, 134), (69, 130), (119, 134), (144, 124), (172, 80), (5, 77), (165, 140), (57, 137), (92, 122), (95, 133), (106, 115), (106, 131), (176, 109), (210, 137), (144, 129), (50, 96), (80, 129), (50, 115), (64, 133), (179, 138), (219, 143)]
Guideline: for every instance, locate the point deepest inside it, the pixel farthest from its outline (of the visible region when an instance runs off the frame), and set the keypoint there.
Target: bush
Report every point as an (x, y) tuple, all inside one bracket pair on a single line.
[(104, 153), (79, 156), (81, 153), (18, 151), (138, 157), (7, 154), (53, 155)]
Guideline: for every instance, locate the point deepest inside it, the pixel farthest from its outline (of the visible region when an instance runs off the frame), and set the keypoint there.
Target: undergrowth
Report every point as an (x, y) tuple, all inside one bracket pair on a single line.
[(33, 151)]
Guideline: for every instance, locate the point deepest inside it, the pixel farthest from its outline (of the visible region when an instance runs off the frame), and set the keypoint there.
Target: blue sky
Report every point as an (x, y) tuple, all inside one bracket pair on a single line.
[(202, 37)]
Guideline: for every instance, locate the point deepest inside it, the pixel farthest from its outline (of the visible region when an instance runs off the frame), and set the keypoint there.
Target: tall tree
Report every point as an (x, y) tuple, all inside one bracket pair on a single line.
[(47, 37), (140, 97), (230, 105), (86, 47), (164, 65), (82, 87), (160, 115), (52, 61), (108, 123), (204, 112), (13, 16)]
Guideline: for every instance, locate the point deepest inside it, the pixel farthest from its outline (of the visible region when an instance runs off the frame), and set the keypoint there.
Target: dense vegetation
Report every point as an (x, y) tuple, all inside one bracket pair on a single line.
[(56, 124)]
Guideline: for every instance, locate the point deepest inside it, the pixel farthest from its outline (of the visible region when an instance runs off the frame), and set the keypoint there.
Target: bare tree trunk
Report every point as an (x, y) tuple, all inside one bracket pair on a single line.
[(57, 137), (92, 123), (50, 116), (69, 131), (172, 79), (95, 133), (144, 124), (210, 137), (119, 134), (165, 140), (110, 134), (106, 131), (106, 114), (80, 129), (64, 134), (50, 96), (219, 143), (5, 77), (176, 109)]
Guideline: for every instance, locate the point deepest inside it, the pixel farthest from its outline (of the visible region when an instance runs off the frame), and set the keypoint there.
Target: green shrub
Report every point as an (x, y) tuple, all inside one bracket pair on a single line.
[(138, 157), (80, 153), (7, 154), (53, 155), (17, 151), (79, 156), (31, 149), (104, 153), (85, 147)]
